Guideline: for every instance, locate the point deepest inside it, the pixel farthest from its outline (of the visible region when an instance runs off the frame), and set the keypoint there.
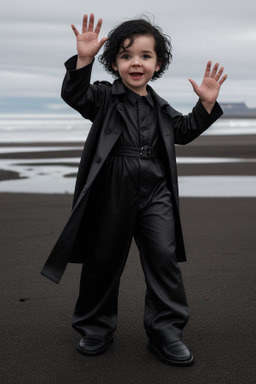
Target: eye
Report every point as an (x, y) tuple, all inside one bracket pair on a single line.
[(146, 56), (125, 56)]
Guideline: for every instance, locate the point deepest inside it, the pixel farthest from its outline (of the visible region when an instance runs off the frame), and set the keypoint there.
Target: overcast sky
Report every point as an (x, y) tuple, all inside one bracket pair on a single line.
[(36, 39)]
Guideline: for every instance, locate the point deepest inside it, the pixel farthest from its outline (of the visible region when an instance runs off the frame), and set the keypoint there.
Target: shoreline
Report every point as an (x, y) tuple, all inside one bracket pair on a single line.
[(228, 148), (210, 166)]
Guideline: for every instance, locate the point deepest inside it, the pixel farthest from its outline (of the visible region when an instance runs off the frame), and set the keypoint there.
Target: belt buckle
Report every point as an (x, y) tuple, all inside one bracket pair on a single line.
[(145, 152)]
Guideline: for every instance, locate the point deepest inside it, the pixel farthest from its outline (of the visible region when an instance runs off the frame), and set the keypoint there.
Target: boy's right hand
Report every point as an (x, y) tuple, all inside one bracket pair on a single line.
[(87, 42)]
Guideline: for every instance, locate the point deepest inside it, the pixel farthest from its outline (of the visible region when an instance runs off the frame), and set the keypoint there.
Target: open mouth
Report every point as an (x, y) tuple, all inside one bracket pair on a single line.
[(136, 75)]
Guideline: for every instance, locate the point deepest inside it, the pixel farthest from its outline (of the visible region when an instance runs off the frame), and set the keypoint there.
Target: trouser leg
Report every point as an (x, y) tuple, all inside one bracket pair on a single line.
[(96, 307), (166, 309)]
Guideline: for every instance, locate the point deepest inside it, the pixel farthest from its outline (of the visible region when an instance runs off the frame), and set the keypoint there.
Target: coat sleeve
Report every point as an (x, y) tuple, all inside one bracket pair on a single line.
[(77, 91), (189, 127)]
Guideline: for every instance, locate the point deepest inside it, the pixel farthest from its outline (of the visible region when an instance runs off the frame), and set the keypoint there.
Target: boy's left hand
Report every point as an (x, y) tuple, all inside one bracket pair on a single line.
[(210, 87)]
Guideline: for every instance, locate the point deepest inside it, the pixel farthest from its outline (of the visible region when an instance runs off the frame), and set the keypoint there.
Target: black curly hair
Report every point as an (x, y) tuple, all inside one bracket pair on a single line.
[(129, 30)]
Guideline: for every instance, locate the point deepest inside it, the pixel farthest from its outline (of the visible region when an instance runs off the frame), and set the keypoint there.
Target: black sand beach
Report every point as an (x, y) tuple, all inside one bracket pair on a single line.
[(38, 344)]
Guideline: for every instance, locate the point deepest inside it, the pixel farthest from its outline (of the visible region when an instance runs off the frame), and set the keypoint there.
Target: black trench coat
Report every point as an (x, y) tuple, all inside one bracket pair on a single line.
[(102, 103)]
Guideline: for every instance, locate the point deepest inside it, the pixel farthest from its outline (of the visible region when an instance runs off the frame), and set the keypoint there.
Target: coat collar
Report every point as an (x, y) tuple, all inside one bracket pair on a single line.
[(119, 90)]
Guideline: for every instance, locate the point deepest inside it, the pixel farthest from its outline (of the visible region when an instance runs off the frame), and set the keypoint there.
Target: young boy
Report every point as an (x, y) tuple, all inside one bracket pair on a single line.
[(127, 185)]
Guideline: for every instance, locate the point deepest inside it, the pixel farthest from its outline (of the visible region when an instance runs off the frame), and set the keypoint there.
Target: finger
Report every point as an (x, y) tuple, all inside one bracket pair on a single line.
[(84, 26), (98, 26), (218, 75), (223, 79), (214, 70), (91, 23), (208, 69), (194, 84), (102, 41), (74, 30)]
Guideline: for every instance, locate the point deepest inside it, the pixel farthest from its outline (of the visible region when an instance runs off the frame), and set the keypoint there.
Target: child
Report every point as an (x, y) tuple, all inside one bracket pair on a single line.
[(127, 185)]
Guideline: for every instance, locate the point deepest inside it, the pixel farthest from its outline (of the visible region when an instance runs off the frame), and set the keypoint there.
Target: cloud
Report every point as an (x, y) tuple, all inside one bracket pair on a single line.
[(25, 84), (36, 38)]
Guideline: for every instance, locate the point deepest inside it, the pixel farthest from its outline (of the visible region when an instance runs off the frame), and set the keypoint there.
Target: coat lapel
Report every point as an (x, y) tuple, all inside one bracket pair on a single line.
[(107, 139)]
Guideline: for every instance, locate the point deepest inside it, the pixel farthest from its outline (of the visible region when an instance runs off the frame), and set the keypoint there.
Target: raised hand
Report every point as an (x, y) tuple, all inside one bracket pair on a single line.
[(88, 44), (210, 87)]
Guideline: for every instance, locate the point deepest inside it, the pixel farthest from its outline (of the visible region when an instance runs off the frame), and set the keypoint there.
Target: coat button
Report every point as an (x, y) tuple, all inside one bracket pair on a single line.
[(108, 131), (97, 159)]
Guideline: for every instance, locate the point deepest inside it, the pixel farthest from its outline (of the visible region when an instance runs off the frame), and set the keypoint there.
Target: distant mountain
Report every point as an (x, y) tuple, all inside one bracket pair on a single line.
[(237, 110)]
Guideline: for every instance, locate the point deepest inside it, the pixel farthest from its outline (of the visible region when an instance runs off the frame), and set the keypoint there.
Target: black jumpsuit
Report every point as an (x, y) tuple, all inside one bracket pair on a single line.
[(133, 200)]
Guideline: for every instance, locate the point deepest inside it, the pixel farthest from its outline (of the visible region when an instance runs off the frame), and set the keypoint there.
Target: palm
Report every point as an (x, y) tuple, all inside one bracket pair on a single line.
[(209, 90), (212, 81), (87, 42)]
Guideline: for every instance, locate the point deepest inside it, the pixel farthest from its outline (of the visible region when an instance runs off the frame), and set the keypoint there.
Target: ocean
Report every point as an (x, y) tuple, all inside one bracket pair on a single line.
[(25, 132), (27, 128)]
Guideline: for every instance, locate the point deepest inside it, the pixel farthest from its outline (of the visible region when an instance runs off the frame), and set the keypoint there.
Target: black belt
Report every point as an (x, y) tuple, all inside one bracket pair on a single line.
[(144, 152)]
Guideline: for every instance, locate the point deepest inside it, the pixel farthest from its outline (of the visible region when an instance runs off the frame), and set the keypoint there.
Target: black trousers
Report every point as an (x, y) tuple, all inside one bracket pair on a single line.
[(129, 207)]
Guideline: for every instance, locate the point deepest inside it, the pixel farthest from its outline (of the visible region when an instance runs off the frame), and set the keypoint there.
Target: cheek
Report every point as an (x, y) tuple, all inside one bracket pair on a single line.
[(151, 68), (123, 68), (120, 67)]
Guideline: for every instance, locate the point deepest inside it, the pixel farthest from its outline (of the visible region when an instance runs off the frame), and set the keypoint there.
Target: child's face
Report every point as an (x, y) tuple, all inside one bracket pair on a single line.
[(138, 63)]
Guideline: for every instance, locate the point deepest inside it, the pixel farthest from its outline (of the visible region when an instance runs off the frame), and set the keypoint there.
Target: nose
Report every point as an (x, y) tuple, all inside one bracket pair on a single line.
[(136, 61)]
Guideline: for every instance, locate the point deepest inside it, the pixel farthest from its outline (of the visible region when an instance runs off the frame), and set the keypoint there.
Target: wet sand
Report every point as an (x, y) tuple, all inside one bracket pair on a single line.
[(240, 146), (38, 344)]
